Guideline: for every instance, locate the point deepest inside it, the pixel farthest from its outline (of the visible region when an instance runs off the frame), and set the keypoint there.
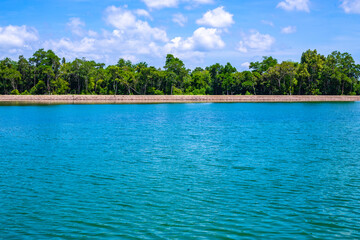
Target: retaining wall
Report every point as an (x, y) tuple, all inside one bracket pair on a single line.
[(125, 99)]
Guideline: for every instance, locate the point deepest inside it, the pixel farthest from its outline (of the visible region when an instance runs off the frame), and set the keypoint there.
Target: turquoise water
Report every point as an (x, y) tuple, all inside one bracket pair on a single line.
[(180, 171)]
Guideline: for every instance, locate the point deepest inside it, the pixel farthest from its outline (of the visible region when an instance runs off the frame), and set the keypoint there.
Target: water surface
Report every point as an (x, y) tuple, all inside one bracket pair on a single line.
[(180, 171)]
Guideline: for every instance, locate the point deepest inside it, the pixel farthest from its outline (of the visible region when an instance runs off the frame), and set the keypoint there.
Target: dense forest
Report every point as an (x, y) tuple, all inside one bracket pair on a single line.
[(315, 74)]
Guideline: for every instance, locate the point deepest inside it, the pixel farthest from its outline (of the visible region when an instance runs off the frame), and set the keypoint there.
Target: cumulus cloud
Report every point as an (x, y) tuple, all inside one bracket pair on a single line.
[(180, 19), (203, 39), (288, 30), (119, 17), (195, 47), (130, 37), (218, 18), (351, 6), (143, 13), (127, 25), (207, 39), (256, 41), (76, 26), (83, 46), (291, 5), (92, 33), (107, 46), (17, 36)]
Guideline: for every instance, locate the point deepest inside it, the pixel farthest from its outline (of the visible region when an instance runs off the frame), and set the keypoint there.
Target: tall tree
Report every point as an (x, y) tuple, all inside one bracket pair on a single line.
[(176, 72), (282, 78), (310, 72)]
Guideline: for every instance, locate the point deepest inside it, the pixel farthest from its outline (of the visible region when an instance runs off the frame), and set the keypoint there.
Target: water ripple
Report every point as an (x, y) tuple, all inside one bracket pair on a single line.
[(180, 171)]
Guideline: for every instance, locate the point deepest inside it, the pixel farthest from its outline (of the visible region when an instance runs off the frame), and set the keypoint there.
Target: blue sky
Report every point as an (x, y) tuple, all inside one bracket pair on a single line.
[(200, 32)]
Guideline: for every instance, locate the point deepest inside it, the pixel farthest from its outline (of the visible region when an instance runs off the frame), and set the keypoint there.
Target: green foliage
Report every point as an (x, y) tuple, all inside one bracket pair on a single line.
[(40, 87), (175, 74), (281, 79), (177, 91), (33, 90), (158, 92), (46, 73), (15, 92), (60, 86), (201, 91), (263, 66)]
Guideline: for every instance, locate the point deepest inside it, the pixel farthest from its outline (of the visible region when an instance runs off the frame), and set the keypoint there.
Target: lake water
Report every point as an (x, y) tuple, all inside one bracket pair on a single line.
[(180, 171)]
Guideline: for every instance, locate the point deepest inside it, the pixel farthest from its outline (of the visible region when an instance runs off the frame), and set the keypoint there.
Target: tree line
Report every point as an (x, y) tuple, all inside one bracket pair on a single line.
[(46, 73)]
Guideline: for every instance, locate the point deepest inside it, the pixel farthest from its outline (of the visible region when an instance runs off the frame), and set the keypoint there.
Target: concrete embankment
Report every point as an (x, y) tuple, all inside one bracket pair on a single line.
[(127, 99)]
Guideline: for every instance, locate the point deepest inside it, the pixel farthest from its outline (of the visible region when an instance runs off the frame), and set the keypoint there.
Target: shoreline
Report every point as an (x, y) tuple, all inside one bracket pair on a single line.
[(141, 99)]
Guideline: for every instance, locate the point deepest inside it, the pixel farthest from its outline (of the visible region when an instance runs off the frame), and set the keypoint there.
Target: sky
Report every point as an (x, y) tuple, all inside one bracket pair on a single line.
[(199, 32)]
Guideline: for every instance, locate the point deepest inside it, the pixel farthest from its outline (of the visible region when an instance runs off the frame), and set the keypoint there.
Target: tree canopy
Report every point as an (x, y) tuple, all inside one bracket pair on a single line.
[(315, 74)]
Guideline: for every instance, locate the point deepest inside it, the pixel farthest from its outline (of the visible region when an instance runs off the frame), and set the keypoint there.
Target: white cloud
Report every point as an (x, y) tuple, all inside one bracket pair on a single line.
[(193, 48), (130, 37), (218, 18), (290, 5), (203, 39), (134, 38), (144, 30), (245, 65), (92, 33), (288, 30), (179, 19), (83, 46), (256, 41), (267, 23), (17, 36), (179, 43), (143, 13), (107, 47), (127, 25), (351, 6), (157, 4), (208, 38), (76, 26), (242, 48), (121, 18), (195, 3)]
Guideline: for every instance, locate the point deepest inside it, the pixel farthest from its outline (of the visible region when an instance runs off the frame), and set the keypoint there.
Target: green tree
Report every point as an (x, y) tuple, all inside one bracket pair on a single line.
[(198, 83), (227, 79), (216, 80), (175, 72), (246, 82), (340, 75), (9, 76), (310, 73), (24, 67), (281, 78), (13, 76), (264, 65)]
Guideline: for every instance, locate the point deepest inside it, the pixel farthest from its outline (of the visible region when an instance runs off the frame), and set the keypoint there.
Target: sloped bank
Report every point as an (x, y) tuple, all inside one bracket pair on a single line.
[(126, 99)]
